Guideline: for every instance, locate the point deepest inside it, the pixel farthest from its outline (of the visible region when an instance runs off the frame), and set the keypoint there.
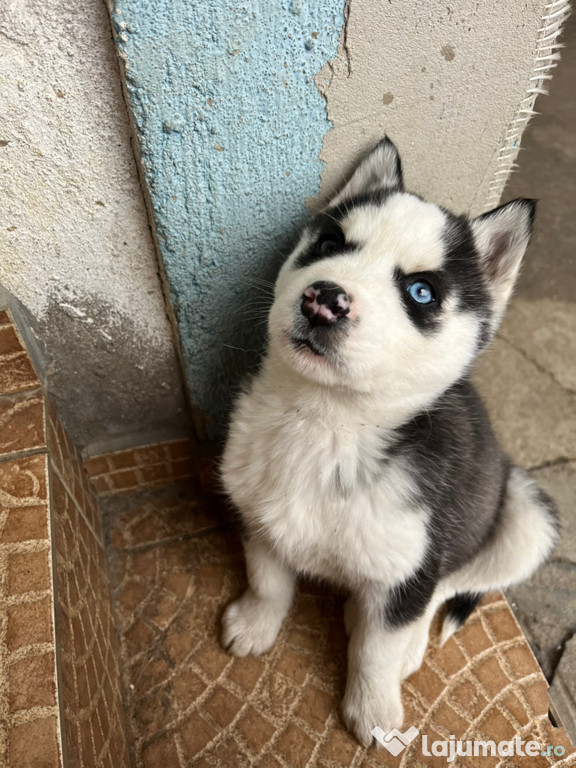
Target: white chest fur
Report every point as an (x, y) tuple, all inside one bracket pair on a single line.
[(311, 478)]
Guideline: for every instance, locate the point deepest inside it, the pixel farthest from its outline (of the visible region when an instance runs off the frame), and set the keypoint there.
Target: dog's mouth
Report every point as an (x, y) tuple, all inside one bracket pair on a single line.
[(299, 344)]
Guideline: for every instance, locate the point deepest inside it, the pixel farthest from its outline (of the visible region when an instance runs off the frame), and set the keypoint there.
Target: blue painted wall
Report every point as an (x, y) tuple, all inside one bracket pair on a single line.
[(230, 126)]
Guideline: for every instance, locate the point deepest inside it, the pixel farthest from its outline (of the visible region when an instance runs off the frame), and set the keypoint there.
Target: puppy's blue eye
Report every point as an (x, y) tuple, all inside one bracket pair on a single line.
[(421, 292)]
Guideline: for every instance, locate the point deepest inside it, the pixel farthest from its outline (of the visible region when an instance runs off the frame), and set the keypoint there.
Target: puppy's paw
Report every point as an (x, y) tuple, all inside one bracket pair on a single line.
[(250, 626), (364, 708)]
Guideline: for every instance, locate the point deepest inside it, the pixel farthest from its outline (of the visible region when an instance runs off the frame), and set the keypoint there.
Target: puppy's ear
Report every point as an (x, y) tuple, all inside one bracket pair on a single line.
[(501, 237), (380, 169)]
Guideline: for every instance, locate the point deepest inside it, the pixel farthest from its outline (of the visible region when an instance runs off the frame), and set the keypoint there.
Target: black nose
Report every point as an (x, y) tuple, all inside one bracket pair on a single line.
[(324, 303)]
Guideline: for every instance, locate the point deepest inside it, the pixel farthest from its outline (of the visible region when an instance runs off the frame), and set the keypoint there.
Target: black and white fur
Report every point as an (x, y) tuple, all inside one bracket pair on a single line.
[(361, 454)]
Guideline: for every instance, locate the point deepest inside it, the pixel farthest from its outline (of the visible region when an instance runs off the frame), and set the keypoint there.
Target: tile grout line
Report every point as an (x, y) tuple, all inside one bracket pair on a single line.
[(26, 391), (16, 455)]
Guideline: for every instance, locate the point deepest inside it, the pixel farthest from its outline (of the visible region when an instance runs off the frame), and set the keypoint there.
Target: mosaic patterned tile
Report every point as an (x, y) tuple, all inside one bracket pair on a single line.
[(47, 489), (190, 704), (22, 422), (28, 706), (17, 373), (92, 706), (68, 465), (140, 468)]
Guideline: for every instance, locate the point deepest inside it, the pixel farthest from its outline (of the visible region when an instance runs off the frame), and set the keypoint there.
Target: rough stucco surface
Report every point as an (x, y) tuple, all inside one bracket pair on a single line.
[(230, 122), (230, 127), (76, 248)]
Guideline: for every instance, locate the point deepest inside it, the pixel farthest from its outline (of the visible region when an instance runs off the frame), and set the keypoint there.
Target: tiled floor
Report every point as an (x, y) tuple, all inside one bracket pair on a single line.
[(174, 567)]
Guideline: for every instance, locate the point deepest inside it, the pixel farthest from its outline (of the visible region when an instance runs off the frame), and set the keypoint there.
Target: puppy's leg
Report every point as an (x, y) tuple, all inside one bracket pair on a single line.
[(388, 623), (251, 624), (416, 650), (351, 609)]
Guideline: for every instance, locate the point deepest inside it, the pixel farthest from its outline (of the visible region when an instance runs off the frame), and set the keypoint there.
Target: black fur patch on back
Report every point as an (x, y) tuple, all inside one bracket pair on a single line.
[(462, 605), (459, 471)]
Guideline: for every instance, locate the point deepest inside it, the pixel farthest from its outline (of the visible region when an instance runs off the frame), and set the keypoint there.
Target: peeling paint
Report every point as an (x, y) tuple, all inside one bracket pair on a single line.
[(228, 187)]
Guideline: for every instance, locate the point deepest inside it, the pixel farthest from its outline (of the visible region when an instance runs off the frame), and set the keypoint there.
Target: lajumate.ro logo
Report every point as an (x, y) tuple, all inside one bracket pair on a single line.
[(396, 741)]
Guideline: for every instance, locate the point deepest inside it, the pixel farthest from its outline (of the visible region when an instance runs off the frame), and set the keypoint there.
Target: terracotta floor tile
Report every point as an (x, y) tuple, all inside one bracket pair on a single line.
[(9, 339), (246, 672), (256, 730), (295, 746), (34, 744), (26, 523), (23, 481), (187, 687), (17, 373), (469, 698), (340, 747), (196, 733), (161, 752), (316, 707), (21, 422), (31, 682), (28, 572), (29, 623), (190, 703)]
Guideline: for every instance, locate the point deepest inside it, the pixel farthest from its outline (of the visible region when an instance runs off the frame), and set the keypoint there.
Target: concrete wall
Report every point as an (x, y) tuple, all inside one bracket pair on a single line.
[(75, 244), (244, 111)]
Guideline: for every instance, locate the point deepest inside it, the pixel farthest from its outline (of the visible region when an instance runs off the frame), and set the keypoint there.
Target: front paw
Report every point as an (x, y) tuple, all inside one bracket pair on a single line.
[(250, 625), (366, 706)]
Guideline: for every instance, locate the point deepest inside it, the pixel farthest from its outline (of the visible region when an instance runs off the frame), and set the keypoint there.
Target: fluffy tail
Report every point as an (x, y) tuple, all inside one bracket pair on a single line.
[(458, 610)]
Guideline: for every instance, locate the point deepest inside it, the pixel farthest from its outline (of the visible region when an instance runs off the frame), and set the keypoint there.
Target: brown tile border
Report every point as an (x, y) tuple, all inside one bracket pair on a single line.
[(28, 704), (59, 691), (140, 468), (91, 700), (17, 373), (22, 426), (68, 465)]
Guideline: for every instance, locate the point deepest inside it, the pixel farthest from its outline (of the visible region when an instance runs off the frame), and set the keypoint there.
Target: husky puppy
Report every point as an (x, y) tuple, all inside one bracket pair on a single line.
[(361, 454)]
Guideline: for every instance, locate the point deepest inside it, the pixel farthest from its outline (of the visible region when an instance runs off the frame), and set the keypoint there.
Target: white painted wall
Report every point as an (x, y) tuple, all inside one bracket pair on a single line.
[(452, 83)]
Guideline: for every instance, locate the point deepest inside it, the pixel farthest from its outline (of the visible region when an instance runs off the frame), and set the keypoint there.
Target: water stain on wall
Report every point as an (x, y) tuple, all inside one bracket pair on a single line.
[(448, 52)]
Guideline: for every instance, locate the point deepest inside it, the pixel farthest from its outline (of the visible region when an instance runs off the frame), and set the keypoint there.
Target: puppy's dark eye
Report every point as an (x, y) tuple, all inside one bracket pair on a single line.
[(329, 242), (421, 292)]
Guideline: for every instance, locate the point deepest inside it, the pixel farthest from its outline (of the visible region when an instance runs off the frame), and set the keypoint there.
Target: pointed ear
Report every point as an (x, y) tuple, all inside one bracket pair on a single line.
[(380, 169), (501, 237)]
